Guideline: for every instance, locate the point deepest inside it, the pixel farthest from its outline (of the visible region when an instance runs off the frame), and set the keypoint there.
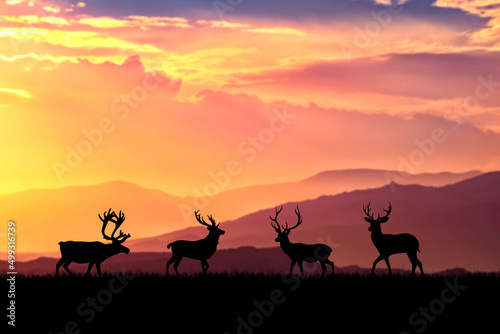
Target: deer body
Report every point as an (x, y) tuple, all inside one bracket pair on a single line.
[(202, 249), (89, 251), (199, 250), (299, 252), (93, 252), (389, 244)]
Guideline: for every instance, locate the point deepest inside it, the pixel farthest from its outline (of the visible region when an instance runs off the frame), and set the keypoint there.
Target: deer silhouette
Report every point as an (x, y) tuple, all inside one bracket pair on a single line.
[(198, 250), (389, 244), (94, 252), (299, 252)]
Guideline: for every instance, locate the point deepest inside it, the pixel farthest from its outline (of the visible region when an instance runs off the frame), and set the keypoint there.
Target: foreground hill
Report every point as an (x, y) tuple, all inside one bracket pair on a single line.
[(457, 225), (242, 303), (71, 213)]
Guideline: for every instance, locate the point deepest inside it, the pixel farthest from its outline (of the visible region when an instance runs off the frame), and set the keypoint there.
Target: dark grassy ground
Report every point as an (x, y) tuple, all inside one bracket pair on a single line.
[(239, 303)]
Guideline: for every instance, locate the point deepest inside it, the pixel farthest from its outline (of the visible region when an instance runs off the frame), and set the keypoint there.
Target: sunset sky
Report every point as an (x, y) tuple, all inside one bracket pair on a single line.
[(174, 94)]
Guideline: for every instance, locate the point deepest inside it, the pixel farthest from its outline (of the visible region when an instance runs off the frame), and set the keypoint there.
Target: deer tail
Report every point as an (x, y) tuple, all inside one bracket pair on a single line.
[(170, 244)]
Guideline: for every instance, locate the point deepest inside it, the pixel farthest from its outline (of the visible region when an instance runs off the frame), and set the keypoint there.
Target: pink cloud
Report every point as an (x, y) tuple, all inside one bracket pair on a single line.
[(429, 76)]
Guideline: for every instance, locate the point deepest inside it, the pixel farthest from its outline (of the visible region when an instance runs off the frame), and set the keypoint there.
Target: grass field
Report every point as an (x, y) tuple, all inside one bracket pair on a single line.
[(256, 303)]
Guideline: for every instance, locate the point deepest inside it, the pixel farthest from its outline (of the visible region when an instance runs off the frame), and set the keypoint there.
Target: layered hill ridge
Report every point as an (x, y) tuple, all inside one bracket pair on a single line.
[(457, 225), (71, 213)]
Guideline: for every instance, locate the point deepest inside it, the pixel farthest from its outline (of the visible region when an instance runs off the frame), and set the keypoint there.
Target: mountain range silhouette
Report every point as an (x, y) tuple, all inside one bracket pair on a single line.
[(459, 222)]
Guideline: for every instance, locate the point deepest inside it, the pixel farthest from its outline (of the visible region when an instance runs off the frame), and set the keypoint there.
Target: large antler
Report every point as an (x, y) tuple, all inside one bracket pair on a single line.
[(118, 222), (379, 219), (275, 219), (200, 219), (299, 220), (367, 210), (214, 223), (387, 213), (107, 217)]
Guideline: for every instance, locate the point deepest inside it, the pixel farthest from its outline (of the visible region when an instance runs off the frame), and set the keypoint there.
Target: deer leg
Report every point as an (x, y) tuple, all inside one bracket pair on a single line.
[(377, 260), (98, 268), (89, 268), (388, 265), (169, 262), (413, 267), (176, 264), (414, 263), (331, 264), (300, 267), (65, 266), (204, 266), (291, 267), (58, 265), (323, 268), (419, 264)]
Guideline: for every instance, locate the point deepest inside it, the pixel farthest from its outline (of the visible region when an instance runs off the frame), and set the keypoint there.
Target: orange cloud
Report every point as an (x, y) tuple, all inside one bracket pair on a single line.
[(278, 31), (104, 22), (33, 19), (14, 2), (142, 22), (75, 39), (149, 21), (223, 24), (52, 9)]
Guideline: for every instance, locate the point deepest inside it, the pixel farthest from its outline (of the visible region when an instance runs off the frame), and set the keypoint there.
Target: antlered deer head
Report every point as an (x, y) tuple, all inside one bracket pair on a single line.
[(284, 231)]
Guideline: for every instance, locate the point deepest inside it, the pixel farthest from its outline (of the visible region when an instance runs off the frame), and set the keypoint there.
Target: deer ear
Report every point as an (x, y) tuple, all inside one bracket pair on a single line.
[(383, 219), (367, 219)]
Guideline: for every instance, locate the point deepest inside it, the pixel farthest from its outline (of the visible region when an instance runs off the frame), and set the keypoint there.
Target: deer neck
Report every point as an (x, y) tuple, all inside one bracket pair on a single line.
[(285, 244), (376, 234), (111, 249), (212, 237)]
